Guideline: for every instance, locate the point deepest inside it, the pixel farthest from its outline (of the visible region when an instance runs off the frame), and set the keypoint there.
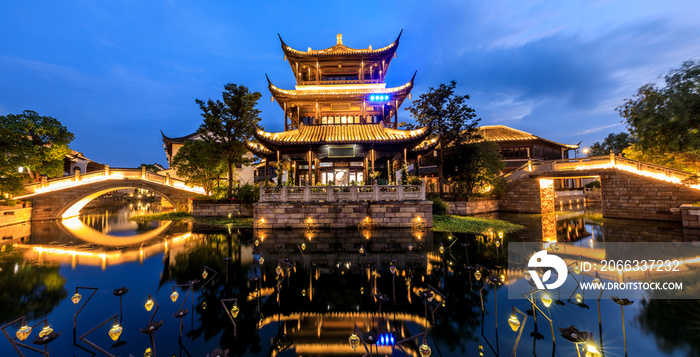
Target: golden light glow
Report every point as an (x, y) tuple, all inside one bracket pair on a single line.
[(514, 323), (546, 300), (45, 331), (23, 332), (149, 304), (76, 298), (115, 332), (174, 296)]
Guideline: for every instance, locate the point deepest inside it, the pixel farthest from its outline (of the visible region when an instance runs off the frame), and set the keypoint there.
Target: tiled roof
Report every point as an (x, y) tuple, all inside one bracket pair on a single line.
[(504, 133), (337, 134), (401, 91), (181, 139), (342, 50)]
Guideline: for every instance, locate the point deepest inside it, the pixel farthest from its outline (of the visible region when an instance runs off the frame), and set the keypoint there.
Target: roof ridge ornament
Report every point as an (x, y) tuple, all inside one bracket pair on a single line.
[(339, 38)]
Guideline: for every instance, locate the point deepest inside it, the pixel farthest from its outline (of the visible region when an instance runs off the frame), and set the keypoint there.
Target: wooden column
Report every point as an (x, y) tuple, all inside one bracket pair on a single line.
[(308, 161), (373, 157), (389, 169), (418, 166), (405, 157), (318, 77), (317, 162), (298, 115), (266, 164), (286, 124), (318, 118), (362, 74), (364, 111), (396, 114)]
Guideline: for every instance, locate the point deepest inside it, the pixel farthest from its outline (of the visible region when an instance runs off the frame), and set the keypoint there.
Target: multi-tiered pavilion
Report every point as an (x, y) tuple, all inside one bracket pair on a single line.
[(341, 120)]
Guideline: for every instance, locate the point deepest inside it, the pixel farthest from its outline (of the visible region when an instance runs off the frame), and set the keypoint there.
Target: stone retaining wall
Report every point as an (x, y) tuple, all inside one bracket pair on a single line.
[(472, 206), (632, 196), (691, 220), (406, 214), (20, 213), (521, 195), (221, 210)]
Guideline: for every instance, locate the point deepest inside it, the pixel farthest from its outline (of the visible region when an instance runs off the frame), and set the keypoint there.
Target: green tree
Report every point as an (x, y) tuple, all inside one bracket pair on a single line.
[(615, 142), (451, 118), (200, 163), (474, 166), (665, 121), (36, 144), (228, 123)]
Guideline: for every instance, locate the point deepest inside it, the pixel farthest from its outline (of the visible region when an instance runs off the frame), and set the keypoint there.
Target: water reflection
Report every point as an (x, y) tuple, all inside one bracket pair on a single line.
[(328, 282)]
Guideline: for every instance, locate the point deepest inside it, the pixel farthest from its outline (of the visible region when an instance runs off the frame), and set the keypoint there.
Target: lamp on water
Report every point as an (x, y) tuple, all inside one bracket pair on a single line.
[(115, 331)]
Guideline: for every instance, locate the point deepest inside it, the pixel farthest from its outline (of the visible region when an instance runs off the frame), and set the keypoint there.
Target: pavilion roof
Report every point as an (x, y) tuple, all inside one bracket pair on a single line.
[(426, 145), (342, 134), (258, 149), (357, 90), (501, 133), (340, 50), (181, 139)]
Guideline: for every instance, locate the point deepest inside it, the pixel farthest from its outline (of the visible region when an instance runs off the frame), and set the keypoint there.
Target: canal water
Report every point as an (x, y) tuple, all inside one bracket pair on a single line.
[(327, 283)]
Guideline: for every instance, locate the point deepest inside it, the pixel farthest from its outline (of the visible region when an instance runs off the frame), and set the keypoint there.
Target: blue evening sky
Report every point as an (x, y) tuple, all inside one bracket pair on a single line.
[(117, 72)]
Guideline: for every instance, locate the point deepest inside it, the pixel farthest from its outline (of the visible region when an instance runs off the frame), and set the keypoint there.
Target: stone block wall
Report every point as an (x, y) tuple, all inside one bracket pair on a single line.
[(521, 195), (221, 210), (691, 216), (20, 213), (473, 206), (405, 214), (626, 195)]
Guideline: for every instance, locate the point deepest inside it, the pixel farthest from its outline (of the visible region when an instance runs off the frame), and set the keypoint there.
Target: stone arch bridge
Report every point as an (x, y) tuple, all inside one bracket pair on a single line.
[(64, 197), (628, 188)]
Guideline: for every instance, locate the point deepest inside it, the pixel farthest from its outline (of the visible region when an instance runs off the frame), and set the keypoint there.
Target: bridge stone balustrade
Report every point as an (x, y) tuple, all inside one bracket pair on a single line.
[(65, 197)]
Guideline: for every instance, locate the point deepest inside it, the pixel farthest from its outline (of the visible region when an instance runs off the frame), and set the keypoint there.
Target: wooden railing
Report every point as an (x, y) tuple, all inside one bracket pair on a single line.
[(108, 173), (342, 193), (611, 161)]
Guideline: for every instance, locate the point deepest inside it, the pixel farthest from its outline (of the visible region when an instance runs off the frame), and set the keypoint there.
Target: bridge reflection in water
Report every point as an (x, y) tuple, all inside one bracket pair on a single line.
[(329, 281)]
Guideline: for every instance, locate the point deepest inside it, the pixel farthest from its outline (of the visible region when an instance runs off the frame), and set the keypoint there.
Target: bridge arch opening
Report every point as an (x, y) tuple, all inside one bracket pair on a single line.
[(73, 209)]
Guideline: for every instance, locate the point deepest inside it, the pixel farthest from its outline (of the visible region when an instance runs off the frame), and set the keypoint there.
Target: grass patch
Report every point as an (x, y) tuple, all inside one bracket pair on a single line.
[(244, 222), (472, 225), (235, 222), (166, 216)]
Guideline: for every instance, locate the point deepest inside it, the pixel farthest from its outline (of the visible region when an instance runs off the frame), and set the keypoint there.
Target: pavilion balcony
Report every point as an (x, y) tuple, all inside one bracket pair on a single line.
[(342, 193), (340, 80)]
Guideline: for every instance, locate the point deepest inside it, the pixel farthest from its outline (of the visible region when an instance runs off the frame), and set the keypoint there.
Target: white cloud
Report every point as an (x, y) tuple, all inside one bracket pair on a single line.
[(600, 128)]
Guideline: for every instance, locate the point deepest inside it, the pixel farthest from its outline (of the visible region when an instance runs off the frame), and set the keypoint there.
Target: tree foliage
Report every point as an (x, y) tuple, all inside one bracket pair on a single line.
[(665, 121), (473, 167), (615, 142), (200, 163), (228, 123), (450, 115), (35, 143)]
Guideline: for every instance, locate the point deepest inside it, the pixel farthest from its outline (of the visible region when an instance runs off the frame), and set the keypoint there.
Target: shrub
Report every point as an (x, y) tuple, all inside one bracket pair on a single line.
[(439, 206), (248, 193), (414, 180), (593, 184)]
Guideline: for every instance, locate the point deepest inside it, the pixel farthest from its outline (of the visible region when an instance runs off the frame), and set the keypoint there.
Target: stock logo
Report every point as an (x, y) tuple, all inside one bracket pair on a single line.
[(543, 260)]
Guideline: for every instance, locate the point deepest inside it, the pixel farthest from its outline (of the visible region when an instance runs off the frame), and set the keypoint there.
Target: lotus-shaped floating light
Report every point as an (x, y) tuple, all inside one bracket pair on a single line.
[(234, 311), (205, 274), (514, 323), (303, 246), (572, 334), (45, 331), (392, 269), (546, 299), (174, 296), (23, 332), (425, 350), (354, 341), (477, 274), (115, 332), (579, 298), (278, 270), (149, 304), (76, 298), (261, 260)]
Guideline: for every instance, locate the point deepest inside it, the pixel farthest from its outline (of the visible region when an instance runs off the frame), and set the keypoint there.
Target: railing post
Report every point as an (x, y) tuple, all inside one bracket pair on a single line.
[(422, 190), (262, 192), (143, 172), (77, 176), (375, 189), (353, 193), (284, 193), (329, 193), (612, 158), (167, 178), (44, 182), (529, 165), (106, 170), (399, 192), (307, 193)]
